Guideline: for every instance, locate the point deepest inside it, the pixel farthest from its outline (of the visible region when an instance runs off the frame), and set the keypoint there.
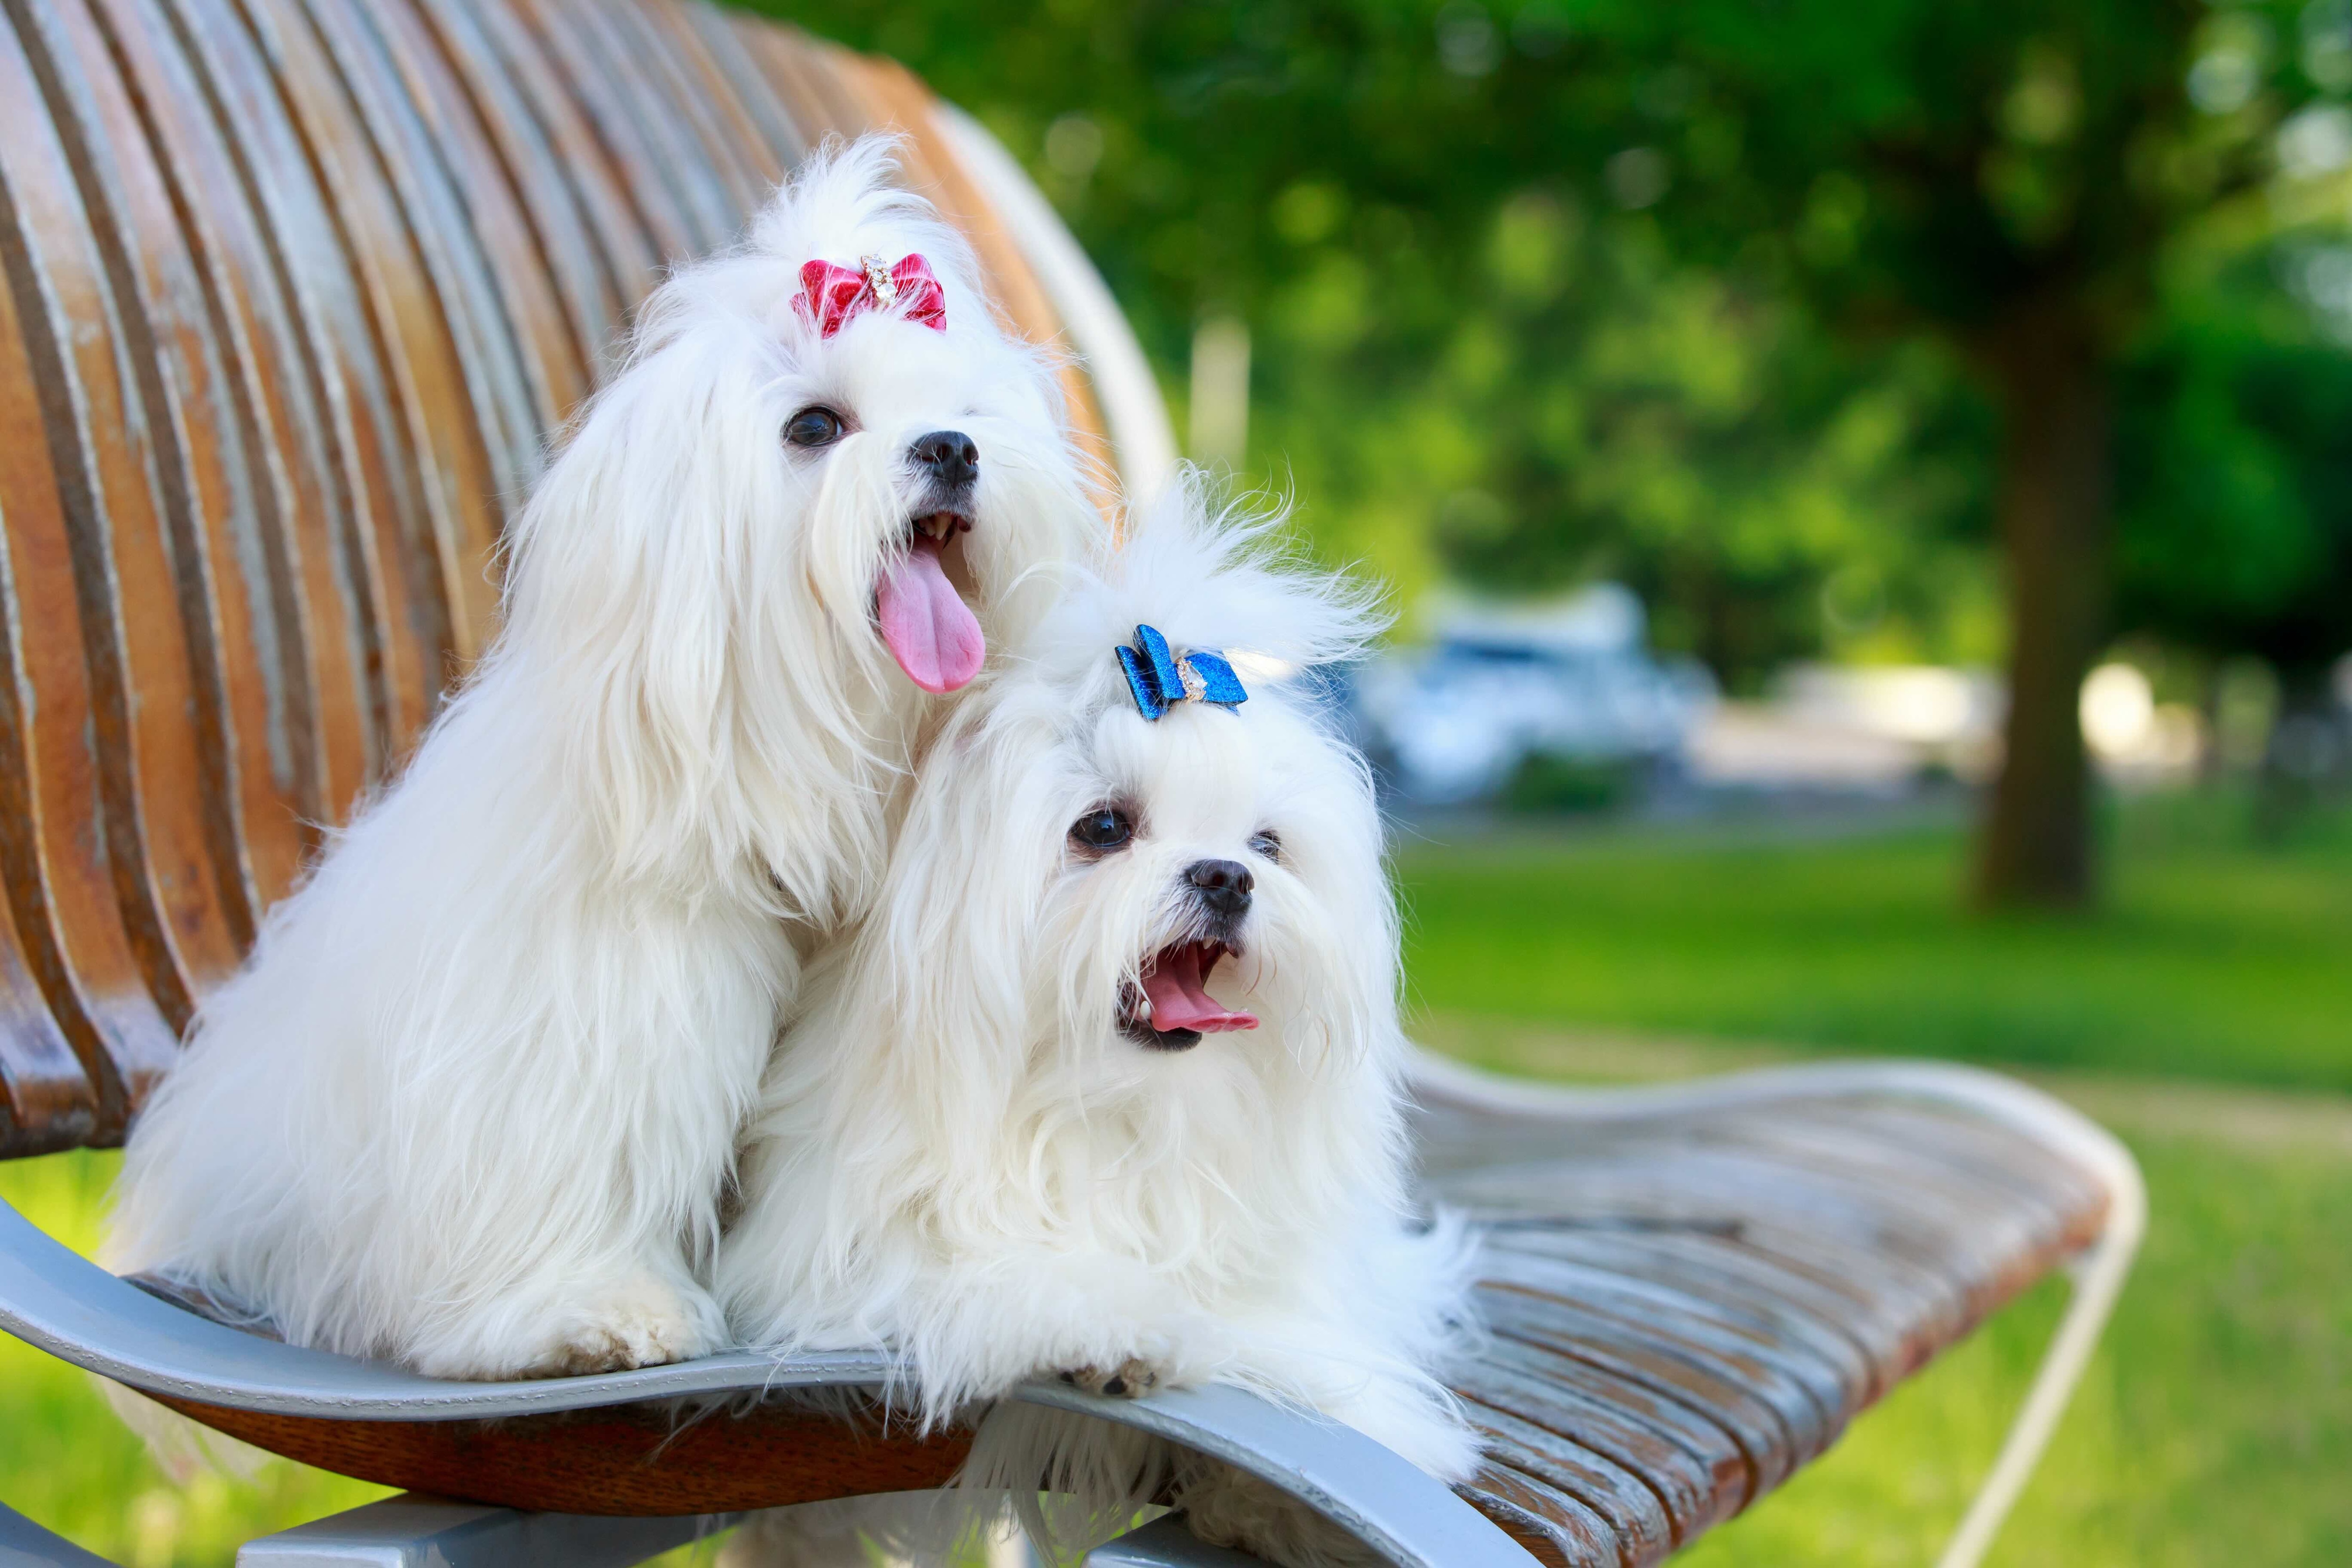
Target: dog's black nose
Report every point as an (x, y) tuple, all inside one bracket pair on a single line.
[(948, 455), (1225, 885)]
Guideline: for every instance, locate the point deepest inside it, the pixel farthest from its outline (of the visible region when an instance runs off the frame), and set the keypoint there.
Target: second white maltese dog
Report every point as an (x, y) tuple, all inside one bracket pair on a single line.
[(473, 1101), (1109, 1083)]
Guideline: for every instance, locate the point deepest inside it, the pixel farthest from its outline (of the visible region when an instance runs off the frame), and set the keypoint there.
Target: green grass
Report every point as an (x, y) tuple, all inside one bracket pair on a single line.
[(2212, 958)]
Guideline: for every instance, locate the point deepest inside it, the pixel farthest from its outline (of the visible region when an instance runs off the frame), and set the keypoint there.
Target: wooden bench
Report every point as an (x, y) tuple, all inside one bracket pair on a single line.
[(293, 289)]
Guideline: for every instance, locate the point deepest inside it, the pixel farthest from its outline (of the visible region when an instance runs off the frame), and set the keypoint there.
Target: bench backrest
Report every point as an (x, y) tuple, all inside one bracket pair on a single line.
[(294, 291)]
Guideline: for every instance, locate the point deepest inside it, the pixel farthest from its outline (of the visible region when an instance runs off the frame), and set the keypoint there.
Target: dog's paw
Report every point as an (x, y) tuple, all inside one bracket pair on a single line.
[(643, 1324), (1131, 1380)]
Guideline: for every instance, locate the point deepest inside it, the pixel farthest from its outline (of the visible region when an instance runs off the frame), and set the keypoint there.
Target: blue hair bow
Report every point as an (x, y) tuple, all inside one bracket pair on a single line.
[(1160, 679)]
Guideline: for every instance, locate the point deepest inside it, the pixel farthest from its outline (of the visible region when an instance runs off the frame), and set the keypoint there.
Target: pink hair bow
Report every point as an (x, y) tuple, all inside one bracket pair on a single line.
[(833, 296)]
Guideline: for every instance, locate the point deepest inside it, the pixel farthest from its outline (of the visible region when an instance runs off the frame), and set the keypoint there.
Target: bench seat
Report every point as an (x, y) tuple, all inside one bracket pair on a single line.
[(1688, 1292)]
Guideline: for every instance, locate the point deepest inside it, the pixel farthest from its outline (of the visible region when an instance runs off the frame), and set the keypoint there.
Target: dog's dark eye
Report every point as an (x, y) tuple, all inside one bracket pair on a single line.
[(1268, 843), (1106, 827), (813, 427)]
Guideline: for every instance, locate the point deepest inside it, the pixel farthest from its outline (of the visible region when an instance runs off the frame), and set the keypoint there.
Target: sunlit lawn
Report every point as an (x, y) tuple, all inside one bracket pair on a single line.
[(2215, 1429), (2212, 959)]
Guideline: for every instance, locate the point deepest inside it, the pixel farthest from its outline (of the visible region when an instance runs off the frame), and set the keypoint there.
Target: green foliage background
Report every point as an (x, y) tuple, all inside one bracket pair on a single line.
[(1686, 295)]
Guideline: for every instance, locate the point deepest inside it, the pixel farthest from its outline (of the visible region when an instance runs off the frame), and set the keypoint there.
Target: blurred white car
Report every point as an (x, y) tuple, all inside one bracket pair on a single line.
[(1569, 679)]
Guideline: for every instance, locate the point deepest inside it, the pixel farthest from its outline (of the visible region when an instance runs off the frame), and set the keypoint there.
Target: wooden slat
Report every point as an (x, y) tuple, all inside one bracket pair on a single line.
[(251, 481), (1567, 1397), (246, 182), (1775, 1423), (46, 1099), (689, 200), (1927, 1214), (101, 446), (1796, 1312), (396, 181), (719, 137), (196, 472), (795, 62), (726, 41), (545, 193), (1760, 1208), (1829, 1369), (624, 250), (1726, 1479), (599, 109), (140, 355), (1558, 1529), (1630, 1510), (533, 327), (1908, 1227), (1970, 1162), (348, 449), (60, 886)]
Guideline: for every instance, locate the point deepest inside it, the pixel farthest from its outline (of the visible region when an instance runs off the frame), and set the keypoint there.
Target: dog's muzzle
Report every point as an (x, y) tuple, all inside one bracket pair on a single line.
[(948, 462), (1171, 1008)]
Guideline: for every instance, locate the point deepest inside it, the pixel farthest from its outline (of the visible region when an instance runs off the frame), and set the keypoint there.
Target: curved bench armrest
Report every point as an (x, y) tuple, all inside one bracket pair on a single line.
[(1408, 1517), (1166, 1543), (24, 1545), (53, 1298)]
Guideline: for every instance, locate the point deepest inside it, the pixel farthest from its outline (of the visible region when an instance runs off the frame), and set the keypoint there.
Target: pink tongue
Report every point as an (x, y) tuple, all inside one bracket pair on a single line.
[(1178, 1000), (930, 630)]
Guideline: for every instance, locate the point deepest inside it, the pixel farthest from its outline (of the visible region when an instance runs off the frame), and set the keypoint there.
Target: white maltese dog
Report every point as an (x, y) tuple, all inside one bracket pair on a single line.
[(473, 1101), (1107, 1084)]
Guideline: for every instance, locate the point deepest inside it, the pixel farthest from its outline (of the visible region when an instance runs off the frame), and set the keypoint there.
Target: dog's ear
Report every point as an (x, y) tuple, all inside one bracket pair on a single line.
[(954, 945), (1045, 517), (630, 569)]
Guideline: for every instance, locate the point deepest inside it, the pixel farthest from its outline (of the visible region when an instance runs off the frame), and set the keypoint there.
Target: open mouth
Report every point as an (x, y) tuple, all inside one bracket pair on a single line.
[(925, 623), (1172, 1008), (938, 526)]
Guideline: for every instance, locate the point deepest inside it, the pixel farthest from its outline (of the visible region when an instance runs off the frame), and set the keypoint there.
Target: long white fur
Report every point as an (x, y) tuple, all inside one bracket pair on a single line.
[(959, 1155), (473, 1101)]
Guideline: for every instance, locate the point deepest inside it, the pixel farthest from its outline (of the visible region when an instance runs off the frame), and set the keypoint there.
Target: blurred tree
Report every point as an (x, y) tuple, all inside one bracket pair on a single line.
[(2008, 175), (1593, 408), (1367, 184), (1475, 358), (2234, 497)]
